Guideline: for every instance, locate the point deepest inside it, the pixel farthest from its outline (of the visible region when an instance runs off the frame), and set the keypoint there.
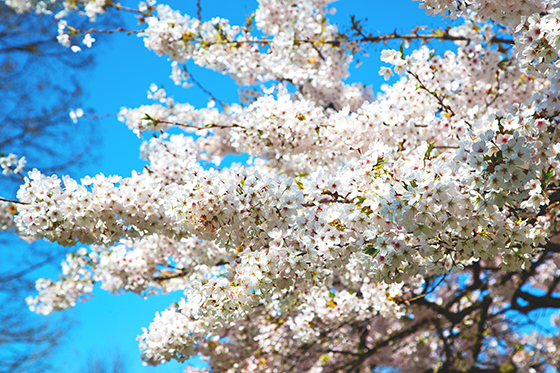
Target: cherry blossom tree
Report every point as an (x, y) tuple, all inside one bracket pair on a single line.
[(414, 230)]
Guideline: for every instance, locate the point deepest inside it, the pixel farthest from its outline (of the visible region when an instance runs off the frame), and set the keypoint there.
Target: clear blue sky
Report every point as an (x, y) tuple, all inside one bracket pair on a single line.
[(124, 72)]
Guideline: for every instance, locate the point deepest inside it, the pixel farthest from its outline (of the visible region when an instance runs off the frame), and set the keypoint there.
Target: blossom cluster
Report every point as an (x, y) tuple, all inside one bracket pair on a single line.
[(11, 164), (506, 12), (534, 25), (7, 212), (289, 55), (76, 284), (145, 266), (282, 48), (537, 42)]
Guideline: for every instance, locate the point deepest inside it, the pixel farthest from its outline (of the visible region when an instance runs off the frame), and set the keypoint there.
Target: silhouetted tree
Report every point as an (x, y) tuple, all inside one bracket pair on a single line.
[(38, 88)]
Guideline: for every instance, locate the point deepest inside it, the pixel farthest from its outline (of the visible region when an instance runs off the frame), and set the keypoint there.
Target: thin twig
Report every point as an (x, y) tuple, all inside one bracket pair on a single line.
[(497, 91), (198, 10), (437, 97), (335, 43), (444, 36), (12, 201), (191, 77), (97, 31), (211, 125), (29, 269), (118, 6)]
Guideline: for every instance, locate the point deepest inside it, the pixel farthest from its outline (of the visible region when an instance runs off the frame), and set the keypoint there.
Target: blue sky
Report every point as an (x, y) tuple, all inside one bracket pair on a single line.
[(122, 76)]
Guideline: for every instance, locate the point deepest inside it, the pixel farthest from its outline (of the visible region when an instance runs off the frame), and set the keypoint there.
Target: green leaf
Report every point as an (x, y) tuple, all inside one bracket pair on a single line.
[(431, 146), (508, 368), (370, 250), (361, 199), (545, 176), (500, 126)]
